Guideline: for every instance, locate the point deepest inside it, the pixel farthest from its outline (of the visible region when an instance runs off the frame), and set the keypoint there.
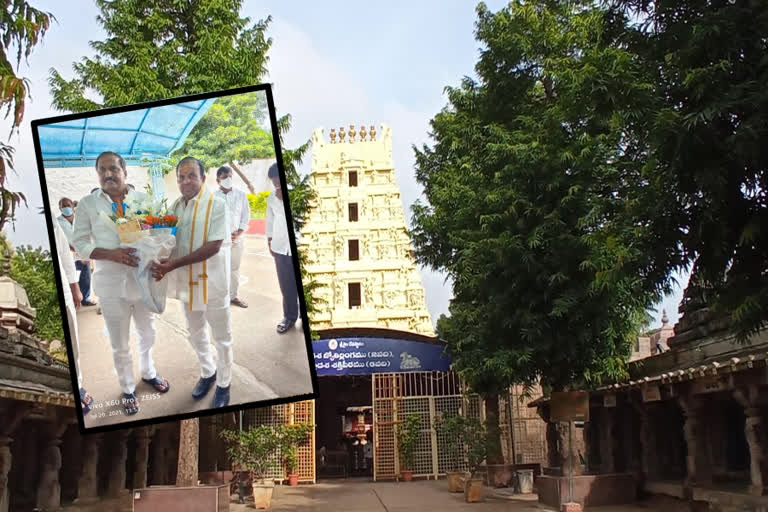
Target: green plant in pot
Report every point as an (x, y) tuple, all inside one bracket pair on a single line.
[(256, 450), (452, 433), (407, 437), (474, 438), (292, 437)]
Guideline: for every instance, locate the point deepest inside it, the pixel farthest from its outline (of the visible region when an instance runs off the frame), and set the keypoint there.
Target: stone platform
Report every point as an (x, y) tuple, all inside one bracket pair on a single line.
[(588, 490)]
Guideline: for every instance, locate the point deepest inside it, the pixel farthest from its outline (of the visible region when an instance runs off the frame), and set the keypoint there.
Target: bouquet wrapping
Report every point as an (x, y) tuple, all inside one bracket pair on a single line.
[(146, 227)]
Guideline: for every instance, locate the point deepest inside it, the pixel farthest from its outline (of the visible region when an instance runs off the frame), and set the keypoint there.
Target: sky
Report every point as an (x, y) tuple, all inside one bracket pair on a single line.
[(332, 63)]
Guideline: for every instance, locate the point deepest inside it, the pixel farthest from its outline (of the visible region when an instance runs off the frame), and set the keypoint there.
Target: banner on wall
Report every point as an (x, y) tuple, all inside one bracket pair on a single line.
[(365, 356)]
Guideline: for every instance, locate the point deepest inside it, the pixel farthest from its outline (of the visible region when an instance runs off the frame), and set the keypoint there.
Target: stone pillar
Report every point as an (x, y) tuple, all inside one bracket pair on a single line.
[(12, 417), (5, 468), (142, 437), (49, 487), (649, 461), (553, 439), (88, 485), (698, 464), (161, 458), (116, 485), (757, 439), (607, 424)]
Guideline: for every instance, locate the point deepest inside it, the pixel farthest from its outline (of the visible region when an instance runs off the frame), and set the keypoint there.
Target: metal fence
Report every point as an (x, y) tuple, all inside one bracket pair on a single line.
[(430, 395), (288, 414)]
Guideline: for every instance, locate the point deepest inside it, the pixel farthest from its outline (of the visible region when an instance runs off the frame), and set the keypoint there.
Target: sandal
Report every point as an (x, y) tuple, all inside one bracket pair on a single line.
[(159, 383), (130, 403), (239, 302), (85, 400)]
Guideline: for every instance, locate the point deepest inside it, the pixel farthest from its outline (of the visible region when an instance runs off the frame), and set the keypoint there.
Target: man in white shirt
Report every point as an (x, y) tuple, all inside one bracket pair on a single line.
[(114, 281), (72, 299), (240, 215), (66, 220), (280, 248), (200, 274)]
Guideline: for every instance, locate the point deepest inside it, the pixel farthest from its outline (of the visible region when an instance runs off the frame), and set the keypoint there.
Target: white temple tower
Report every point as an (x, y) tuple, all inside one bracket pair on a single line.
[(356, 237)]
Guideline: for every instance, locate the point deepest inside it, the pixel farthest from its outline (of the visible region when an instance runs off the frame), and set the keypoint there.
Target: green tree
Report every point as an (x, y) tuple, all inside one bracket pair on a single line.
[(702, 193), (520, 181), (163, 50), (232, 132), (22, 27), (32, 268)]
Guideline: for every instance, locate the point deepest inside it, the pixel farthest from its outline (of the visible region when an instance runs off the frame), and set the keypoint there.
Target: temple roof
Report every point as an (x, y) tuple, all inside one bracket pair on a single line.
[(34, 392)]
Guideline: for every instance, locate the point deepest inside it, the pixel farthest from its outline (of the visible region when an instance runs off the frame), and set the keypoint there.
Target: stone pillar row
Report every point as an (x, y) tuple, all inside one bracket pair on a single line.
[(49, 487)]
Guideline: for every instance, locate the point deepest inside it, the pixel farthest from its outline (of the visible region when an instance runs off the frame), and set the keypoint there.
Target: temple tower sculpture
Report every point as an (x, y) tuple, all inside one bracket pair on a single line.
[(356, 237)]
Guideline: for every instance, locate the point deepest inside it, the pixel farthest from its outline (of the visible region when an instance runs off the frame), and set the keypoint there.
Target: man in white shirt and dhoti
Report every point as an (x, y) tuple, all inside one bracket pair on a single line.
[(95, 237), (72, 298), (240, 215), (199, 277), (280, 247)]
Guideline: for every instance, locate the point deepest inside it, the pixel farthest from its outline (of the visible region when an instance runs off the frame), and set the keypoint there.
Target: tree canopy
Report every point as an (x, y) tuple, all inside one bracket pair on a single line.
[(701, 194), (520, 181), (32, 268), (232, 132), (22, 27)]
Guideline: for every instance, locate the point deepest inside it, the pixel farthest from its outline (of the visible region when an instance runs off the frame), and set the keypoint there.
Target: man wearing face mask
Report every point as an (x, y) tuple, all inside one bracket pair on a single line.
[(66, 220), (239, 216)]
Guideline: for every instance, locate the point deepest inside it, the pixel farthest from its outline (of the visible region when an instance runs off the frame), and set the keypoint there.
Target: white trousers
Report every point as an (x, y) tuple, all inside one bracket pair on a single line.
[(217, 316), (117, 317), (236, 255), (72, 320)]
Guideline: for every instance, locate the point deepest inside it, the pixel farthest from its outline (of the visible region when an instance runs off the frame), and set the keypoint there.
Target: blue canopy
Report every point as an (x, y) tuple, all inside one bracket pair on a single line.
[(140, 136)]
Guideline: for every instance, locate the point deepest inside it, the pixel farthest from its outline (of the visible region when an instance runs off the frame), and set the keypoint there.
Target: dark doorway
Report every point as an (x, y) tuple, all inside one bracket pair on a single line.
[(341, 438)]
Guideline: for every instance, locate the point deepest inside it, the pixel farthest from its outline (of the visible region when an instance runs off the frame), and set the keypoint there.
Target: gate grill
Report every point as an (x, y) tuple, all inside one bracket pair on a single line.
[(435, 394), (287, 414)]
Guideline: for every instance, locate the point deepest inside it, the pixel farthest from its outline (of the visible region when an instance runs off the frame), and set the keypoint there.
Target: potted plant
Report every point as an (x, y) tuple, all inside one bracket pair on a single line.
[(452, 429), (474, 439), (407, 437), (291, 437), (256, 450)]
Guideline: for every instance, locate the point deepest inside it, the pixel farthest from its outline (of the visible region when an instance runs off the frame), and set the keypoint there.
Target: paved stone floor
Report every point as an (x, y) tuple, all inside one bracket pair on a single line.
[(359, 495), (267, 365), (364, 496)]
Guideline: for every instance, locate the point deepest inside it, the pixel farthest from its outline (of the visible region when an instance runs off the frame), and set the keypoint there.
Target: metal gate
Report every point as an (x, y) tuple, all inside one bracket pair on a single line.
[(428, 394), (432, 394), (530, 431), (289, 414)]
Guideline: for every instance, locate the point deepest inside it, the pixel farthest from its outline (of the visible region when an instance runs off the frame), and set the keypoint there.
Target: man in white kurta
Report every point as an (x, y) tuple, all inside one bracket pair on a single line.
[(199, 274), (114, 281), (240, 215), (72, 298)]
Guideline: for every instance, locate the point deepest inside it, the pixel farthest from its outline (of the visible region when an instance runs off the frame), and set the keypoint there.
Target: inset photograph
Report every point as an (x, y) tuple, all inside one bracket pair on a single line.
[(176, 258)]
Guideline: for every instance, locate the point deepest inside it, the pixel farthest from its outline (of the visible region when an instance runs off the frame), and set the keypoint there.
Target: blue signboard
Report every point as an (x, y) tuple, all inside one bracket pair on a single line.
[(364, 356)]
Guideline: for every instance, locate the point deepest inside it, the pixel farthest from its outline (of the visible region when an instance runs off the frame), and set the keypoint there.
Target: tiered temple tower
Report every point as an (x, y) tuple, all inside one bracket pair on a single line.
[(356, 236)]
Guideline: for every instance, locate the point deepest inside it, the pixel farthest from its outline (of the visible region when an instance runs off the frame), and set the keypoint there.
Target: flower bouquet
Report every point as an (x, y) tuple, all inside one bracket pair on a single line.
[(145, 225)]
